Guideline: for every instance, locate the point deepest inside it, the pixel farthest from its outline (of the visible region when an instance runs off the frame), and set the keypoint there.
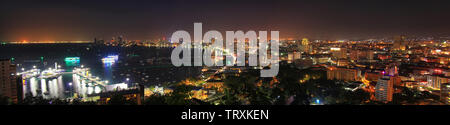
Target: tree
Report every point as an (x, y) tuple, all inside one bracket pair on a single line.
[(156, 99), (118, 99), (238, 88), (180, 95), (261, 96), (230, 99)]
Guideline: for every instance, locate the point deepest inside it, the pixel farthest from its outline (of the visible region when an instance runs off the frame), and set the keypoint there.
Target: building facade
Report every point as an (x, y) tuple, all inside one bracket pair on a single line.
[(435, 81), (344, 74), (445, 92), (384, 89), (10, 84)]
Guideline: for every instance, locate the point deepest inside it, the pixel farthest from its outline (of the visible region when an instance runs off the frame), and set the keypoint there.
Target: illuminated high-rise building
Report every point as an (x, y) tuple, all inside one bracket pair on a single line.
[(392, 70), (297, 55), (120, 40), (399, 43), (10, 84), (344, 74), (384, 89), (305, 42), (357, 55), (339, 53), (445, 92), (435, 81), (306, 47)]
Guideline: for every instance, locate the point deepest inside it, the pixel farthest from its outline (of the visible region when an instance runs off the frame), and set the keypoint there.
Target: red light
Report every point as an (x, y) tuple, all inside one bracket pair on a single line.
[(437, 71)]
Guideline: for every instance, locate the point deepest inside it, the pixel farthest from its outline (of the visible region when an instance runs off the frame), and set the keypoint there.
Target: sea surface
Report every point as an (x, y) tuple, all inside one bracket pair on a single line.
[(144, 65)]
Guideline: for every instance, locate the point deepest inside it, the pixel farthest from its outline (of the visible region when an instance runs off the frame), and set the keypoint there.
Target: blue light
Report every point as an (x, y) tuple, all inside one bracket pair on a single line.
[(110, 60), (115, 57), (317, 101), (72, 61)]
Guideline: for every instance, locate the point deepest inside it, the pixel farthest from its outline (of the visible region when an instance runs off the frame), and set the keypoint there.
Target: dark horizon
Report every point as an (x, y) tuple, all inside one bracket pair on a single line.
[(51, 20)]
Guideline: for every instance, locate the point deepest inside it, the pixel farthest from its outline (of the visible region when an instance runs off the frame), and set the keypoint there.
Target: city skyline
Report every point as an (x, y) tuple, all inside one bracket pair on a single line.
[(221, 61)]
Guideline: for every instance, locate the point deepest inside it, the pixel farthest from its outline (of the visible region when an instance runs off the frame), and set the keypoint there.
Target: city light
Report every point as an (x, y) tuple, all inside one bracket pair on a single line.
[(72, 61), (110, 60), (317, 61)]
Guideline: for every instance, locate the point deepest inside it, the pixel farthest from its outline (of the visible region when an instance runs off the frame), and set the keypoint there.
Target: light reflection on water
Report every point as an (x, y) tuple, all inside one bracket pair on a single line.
[(68, 85), (64, 86)]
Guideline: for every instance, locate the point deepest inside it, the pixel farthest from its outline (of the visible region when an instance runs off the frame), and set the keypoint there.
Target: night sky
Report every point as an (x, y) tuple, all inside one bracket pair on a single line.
[(37, 20)]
